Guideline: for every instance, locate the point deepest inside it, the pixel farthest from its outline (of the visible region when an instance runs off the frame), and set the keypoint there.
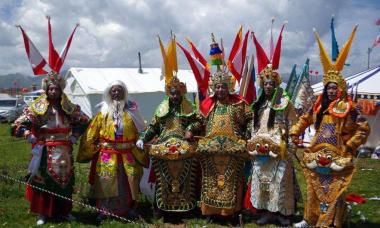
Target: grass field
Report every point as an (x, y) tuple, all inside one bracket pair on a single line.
[(14, 157)]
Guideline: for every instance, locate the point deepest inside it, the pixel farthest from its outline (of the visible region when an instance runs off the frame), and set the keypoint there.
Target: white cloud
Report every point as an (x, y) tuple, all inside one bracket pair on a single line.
[(112, 32)]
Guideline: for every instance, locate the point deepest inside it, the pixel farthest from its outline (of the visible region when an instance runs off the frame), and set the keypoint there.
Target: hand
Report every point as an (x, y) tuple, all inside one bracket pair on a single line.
[(73, 139), (140, 144), (27, 133), (189, 136), (295, 139), (31, 138), (348, 149)]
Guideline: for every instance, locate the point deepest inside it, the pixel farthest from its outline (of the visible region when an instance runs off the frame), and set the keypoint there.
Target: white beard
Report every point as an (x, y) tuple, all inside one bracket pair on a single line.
[(116, 109)]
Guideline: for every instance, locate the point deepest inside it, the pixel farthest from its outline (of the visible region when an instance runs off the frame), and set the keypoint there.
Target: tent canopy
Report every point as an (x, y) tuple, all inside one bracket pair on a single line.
[(85, 86), (366, 83), (95, 80)]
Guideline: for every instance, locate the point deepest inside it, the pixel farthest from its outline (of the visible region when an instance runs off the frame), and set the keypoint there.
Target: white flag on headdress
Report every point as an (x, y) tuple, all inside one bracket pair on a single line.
[(56, 61), (63, 54), (35, 58)]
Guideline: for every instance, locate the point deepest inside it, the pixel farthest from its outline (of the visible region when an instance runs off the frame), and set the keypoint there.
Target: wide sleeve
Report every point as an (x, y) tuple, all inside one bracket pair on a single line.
[(196, 125), (79, 121), (247, 124), (151, 131), (88, 146), (360, 129), (304, 121), (23, 123)]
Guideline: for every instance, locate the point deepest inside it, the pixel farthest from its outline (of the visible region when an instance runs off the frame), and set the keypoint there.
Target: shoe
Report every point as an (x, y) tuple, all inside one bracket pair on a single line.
[(132, 214), (284, 221), (208, 220), (100, 218), (157, 214), (265, 219), (41, 220), (303, 223), (69, 217)]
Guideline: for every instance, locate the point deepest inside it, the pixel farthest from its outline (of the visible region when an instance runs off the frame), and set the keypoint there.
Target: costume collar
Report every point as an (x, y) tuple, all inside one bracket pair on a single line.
[(339, 108), (209, 103), (186, 108), (279, 101), (41, 104)]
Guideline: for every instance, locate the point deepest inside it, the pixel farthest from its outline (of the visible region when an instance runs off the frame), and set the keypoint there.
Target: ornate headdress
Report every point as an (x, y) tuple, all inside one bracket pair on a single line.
[(221, 76), (177, 84), (332, 71), (53, 78), (267, 66), (341, 106), (38, 63)]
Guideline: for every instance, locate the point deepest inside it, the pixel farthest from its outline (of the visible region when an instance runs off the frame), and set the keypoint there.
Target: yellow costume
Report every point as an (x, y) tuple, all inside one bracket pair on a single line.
[(116, 167), (328, 162), (100, 137)]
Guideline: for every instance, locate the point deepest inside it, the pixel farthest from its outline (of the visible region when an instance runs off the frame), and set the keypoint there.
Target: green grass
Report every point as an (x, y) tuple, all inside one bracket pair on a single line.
[(15, 154)]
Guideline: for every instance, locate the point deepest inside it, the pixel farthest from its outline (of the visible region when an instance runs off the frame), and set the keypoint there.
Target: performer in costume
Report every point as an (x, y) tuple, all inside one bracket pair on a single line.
[(328, 162), (272, 186), (116, 164), (52, 124), (173, 151), (222, 150)]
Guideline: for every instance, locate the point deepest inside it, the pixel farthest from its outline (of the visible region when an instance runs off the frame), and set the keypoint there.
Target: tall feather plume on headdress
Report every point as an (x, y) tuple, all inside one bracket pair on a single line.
[(331, 70), (170, 66), (267, 67), (40, 65)]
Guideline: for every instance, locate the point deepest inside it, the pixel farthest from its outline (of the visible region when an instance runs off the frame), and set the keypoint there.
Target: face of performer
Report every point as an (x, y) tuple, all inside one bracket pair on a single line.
[(54, 92), (269, 86), (332, 91), (174, 96), (221, 91), (117, 93)]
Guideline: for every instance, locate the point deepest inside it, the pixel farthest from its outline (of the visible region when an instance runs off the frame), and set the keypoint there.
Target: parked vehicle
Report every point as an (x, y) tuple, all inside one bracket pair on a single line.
[(10, 108), (31, 96)]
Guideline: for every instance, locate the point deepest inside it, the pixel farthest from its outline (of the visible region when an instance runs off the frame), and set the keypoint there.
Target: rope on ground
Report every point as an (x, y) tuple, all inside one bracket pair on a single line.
[(66, 198)]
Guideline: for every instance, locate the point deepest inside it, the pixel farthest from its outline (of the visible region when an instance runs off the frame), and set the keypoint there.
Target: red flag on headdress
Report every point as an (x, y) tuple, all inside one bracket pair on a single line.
[(262, 59), (236, 45), (201, 73), (53, 54), (277, 51), (35, 58), (56, 61), (63, 55), (237, 64), (197, 54)]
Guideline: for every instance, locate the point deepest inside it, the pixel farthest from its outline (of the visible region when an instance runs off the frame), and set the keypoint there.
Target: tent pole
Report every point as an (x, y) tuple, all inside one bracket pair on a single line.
[(140, 67), (369, 56)]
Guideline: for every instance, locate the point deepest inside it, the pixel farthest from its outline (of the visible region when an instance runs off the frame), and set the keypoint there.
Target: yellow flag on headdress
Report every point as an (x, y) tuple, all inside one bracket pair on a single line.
[(172, 55), (168, 72)]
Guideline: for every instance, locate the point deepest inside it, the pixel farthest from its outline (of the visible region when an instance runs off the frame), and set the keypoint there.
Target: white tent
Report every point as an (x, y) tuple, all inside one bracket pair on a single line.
[(366, 85), (85, 86)]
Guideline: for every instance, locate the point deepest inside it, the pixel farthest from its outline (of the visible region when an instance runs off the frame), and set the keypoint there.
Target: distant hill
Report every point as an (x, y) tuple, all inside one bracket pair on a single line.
[(6, 81)]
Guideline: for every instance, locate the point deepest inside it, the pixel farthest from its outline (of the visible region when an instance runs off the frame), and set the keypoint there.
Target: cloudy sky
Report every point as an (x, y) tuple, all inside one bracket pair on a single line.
[(113, 31)]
